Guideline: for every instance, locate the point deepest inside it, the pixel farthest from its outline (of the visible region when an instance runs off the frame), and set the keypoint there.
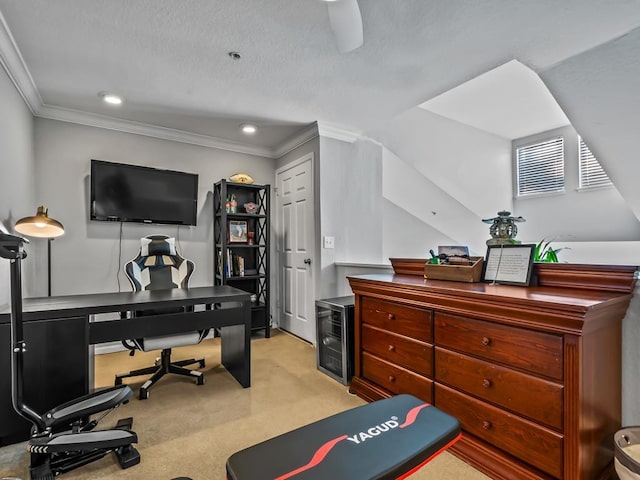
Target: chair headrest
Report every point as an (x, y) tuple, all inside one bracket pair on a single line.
[(157, 245)]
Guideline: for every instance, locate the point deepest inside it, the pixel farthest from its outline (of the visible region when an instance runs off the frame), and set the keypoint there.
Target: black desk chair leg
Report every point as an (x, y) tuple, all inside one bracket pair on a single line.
[(163, 367)]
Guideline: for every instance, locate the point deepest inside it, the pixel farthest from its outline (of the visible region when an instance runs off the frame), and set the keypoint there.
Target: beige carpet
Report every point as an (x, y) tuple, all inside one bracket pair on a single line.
[(189, 430)]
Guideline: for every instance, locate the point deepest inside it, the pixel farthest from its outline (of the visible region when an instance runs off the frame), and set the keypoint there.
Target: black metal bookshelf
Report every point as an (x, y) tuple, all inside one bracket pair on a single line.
[(238, 260)]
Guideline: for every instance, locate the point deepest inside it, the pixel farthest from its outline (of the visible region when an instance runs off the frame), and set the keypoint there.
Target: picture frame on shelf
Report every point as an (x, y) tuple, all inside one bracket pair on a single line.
[(509, 264), (237, 231)]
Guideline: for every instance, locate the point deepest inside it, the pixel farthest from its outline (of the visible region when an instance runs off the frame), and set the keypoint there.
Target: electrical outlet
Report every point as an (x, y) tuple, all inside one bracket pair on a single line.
[(329, 242)]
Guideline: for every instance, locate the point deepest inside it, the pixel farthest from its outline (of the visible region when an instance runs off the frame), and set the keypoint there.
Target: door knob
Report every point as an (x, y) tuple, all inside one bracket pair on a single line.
[(307, 261)]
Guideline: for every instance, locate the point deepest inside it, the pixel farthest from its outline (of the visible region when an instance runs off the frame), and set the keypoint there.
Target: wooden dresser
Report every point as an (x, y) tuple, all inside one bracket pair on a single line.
[(532, 373)]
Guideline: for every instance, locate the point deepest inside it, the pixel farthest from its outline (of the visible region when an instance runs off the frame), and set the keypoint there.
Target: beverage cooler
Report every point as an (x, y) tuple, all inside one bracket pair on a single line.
[(334, 350)]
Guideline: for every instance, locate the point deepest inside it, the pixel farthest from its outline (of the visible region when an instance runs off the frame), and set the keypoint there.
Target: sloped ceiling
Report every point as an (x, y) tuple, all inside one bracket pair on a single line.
[(510, 101), (168, 58)]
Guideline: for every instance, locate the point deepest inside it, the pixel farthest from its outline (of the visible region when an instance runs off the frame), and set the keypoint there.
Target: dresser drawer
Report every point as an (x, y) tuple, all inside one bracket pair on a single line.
[(529, 350), (533, 397), (532, 443), (417, 356), (409, 321), (396, 379)]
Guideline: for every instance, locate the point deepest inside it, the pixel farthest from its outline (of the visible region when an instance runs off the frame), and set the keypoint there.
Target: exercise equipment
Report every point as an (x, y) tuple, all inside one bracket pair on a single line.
[(63, 438), (383, 440)]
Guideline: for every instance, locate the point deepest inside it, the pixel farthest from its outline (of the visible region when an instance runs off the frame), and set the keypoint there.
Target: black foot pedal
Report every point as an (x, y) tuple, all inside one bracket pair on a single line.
[(124, 423), (127, 456)]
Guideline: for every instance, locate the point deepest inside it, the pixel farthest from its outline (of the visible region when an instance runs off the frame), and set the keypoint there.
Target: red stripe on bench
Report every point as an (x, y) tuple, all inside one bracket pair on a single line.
[(317, 458), (418, 467), (413, 414)]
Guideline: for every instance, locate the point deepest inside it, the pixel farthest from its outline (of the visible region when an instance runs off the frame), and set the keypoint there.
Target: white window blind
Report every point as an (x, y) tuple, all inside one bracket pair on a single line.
[(541, 167), (591, 172)]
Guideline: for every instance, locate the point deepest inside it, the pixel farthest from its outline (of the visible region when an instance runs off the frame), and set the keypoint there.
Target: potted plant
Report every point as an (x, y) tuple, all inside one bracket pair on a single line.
[(545, 253)]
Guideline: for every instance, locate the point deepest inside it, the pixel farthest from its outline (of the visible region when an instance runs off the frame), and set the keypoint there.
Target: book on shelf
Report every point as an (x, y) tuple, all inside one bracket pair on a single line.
[(234, 265)]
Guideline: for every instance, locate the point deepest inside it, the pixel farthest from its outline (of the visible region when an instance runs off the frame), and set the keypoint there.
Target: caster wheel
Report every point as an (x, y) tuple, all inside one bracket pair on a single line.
[(200, 380), (144, 394), (201, 362), (118, 381)]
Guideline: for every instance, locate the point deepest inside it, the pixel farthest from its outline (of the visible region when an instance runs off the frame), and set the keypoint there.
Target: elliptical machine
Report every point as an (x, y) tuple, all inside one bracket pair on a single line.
[(63, 438)]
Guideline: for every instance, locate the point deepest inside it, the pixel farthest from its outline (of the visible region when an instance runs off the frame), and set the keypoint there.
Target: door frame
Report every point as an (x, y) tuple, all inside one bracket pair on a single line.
[(277, 226)]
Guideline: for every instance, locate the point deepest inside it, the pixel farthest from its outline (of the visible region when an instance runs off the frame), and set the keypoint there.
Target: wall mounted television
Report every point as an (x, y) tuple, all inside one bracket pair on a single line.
[(132, 193)]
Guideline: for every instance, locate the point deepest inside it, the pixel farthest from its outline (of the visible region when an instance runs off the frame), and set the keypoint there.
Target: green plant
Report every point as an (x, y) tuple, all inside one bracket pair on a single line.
[(545, 253)]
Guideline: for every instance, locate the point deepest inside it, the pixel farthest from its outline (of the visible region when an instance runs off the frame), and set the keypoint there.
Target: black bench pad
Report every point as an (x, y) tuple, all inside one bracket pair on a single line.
[(387, 439)]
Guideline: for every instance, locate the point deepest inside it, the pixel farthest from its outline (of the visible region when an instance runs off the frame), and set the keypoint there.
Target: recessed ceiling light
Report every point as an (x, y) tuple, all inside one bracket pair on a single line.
[(110, 98), (248, 128)]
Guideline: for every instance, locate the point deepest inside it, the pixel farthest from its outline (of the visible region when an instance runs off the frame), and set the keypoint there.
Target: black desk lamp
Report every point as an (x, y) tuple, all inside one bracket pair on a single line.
[(41, 226)]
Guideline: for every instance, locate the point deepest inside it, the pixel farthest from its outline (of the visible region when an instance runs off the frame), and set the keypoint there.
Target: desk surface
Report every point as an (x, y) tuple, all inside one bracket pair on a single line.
[(89, 304), (59, 366)]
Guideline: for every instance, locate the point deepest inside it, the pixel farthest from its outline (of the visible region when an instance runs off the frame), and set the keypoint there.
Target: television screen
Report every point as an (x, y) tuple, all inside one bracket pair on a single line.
[(131, 193)]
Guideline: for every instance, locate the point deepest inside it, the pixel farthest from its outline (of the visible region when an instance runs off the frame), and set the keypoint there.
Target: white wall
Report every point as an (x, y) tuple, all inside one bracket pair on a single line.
[(404, 186), (86, 259), (407, 236), (598, 90), (472, 166), (587, 215), (350, 206), (16, 175)]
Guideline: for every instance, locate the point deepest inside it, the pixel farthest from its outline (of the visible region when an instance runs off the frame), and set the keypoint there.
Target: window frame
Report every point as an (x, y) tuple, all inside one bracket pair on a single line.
[(518, 167)]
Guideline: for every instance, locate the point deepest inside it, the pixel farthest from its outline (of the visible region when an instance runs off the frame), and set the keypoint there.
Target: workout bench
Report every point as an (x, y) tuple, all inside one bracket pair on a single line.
[(387, 439)]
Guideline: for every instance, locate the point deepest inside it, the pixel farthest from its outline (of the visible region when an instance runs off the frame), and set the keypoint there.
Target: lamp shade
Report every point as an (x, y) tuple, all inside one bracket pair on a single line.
[(40, 225)]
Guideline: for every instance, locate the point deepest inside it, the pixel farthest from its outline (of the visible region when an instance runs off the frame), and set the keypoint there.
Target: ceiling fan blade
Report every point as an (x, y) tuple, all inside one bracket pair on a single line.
[(346, 22)]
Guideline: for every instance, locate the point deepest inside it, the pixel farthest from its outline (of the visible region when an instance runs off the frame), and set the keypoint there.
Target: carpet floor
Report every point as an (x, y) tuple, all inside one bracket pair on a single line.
[(186, 430)]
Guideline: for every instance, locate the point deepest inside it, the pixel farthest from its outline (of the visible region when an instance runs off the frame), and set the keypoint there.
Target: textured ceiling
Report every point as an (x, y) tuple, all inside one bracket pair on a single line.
[(168, 58)]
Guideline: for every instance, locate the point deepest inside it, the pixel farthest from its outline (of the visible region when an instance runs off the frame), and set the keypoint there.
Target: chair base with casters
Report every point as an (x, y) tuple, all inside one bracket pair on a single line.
[(163, 366), (158, 266), (63, 438)]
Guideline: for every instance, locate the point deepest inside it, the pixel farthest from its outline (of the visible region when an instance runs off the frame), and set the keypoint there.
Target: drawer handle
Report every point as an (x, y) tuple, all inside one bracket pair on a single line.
[(486, 425), (486, 383), (392, 378), (486, 341), (391, 316), (392, 348)]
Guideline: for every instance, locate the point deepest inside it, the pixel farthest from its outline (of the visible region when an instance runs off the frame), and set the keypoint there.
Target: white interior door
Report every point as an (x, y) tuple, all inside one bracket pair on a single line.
[(296, 246)]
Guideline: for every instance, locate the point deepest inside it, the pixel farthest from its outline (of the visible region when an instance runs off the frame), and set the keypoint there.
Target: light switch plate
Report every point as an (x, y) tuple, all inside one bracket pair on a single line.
[(329, 242)]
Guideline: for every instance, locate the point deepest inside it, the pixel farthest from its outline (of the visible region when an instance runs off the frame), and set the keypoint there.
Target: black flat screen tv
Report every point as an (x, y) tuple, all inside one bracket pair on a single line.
[(132, 193)]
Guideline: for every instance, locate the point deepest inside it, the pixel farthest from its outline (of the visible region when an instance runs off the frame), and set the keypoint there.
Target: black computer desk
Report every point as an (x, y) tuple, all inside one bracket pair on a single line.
[(61, 331)]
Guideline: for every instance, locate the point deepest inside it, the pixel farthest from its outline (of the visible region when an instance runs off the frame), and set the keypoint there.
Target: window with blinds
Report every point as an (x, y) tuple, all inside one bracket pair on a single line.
[(540, 167), (591, 172)]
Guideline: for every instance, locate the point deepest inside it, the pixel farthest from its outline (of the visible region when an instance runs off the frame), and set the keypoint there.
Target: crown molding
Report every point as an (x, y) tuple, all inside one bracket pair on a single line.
[(333, 131), (16, 68), (13, 63), (298, 139), (139, 128)]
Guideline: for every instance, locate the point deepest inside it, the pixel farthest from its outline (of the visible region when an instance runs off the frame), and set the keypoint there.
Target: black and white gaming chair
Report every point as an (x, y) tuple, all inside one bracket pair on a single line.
[(63, 438), (158, 266)]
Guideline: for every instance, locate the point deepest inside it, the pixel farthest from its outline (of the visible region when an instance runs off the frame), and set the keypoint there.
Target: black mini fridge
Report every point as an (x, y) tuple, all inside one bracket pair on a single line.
[(334, 351)]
